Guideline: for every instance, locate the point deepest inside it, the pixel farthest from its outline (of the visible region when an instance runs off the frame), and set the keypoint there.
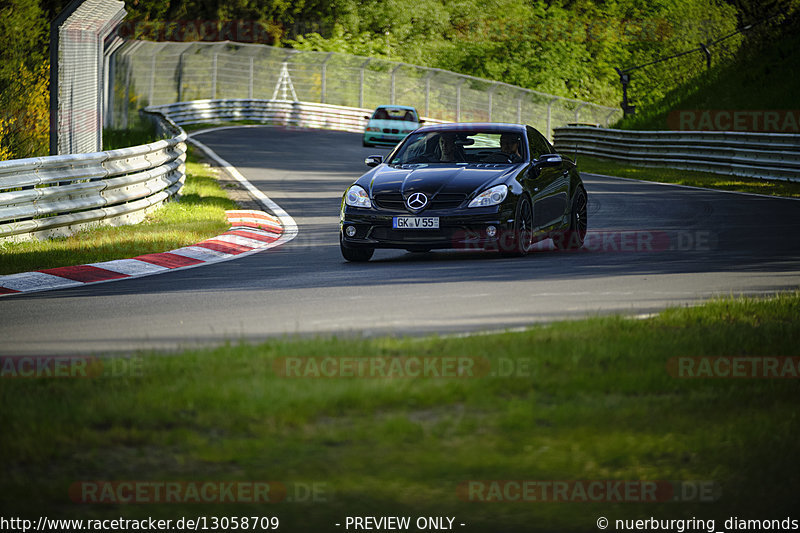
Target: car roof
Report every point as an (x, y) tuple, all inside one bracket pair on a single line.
[(498, 127), (396, 107)]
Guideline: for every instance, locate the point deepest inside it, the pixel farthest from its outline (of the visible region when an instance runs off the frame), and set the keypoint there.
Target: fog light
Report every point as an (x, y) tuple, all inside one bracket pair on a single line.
[(491, 231), (351, 231)]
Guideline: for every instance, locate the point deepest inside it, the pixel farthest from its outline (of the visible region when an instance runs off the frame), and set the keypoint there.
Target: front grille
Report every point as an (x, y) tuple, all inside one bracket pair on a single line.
[(390, 200), (396, 202), (446, 201), (390, 130)]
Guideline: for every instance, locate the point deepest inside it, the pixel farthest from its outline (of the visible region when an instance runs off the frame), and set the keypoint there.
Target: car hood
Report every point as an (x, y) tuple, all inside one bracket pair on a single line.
[(435, 179)]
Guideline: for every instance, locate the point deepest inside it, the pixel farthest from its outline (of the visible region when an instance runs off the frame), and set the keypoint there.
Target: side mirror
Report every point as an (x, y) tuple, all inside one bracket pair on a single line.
[(367, 117), (373, 160), (549, 160), (420, 121)]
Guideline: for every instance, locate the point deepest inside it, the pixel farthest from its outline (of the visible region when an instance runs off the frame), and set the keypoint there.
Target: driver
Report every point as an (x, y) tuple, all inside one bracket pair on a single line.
[(447, 145), (509, 146)]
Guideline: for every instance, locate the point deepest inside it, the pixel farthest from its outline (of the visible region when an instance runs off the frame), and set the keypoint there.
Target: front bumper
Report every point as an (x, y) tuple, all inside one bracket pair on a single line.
[(458, 229), (383, 138)]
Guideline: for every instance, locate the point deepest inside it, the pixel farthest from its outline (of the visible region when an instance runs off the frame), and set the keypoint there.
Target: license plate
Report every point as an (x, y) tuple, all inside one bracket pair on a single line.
[(415, 222)]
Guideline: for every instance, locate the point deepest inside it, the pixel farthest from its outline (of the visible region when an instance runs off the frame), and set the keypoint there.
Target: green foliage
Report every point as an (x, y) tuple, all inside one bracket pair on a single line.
[(760, 77), (565, 48), (24, 96)]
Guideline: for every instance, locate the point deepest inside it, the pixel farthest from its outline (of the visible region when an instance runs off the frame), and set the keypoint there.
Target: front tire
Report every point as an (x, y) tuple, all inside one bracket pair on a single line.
[(572, 238), (520, 242)]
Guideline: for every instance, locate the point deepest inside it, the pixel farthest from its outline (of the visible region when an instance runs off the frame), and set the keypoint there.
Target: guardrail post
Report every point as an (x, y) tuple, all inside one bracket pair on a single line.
[(180, 76), (250, 86), (214, 77), (152, 78), (124, 119)]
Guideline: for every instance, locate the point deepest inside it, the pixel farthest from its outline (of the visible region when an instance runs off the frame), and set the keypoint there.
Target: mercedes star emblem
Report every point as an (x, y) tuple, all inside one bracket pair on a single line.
[(417, 201)]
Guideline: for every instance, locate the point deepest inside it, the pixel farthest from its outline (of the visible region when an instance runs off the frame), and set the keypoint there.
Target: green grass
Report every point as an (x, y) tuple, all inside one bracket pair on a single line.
[(197, 127), (596, 165), (595, 402), (142, 133), (199, 215)]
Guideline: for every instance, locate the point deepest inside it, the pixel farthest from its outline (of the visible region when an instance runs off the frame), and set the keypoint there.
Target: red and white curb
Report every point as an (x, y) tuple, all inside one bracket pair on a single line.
[(251, 231)]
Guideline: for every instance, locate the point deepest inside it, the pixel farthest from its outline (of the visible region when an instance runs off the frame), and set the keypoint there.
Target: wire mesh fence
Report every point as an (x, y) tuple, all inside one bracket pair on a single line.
[(154, 73), (77, 81)]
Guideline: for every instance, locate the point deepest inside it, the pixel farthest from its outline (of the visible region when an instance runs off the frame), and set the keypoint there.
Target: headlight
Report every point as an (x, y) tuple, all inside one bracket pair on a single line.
[(357, 197), (492, 196), (373, 129)]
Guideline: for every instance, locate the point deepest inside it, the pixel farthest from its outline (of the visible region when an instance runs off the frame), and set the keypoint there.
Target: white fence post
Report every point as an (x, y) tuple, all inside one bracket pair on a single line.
[(214, 77)]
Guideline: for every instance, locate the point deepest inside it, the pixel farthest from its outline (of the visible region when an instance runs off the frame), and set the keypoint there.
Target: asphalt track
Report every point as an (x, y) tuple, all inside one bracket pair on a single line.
[(650, 246)]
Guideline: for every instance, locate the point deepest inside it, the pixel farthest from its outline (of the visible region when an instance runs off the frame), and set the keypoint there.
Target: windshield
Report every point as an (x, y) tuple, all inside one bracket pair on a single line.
[(460, 147), (388, 113)]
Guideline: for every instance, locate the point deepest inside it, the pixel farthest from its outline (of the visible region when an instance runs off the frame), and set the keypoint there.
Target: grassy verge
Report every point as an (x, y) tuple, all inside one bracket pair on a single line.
[(583, 400), (143, 133), (608, 167), (189, 128), (199, 214)]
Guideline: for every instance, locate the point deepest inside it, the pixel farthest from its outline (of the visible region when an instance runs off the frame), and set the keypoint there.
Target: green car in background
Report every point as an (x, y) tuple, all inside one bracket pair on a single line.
[(389, 124)]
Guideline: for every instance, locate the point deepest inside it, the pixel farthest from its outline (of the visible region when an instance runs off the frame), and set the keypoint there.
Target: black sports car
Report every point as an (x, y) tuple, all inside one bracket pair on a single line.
[(465, 185)]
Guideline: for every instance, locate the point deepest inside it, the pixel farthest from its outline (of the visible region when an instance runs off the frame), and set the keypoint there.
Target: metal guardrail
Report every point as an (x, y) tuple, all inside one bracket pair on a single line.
[(772, 156), (275, 112), (48, 196)]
